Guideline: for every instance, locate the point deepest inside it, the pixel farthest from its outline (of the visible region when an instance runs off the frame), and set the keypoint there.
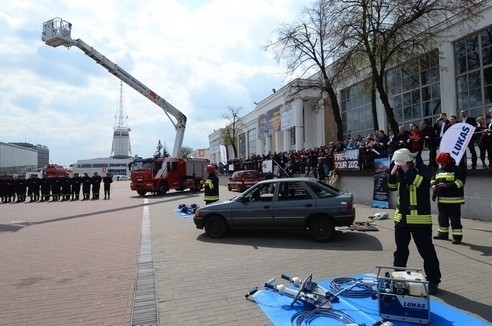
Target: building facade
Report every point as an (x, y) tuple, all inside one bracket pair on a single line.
[(455, 76), (18, 158)]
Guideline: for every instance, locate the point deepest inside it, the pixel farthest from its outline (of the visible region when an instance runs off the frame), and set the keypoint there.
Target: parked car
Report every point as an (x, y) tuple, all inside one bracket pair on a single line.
[(120, 177), (242, 180), (281, 204)]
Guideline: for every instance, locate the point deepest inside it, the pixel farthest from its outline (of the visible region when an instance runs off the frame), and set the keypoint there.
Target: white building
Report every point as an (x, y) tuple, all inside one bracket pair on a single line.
[(456, 76)]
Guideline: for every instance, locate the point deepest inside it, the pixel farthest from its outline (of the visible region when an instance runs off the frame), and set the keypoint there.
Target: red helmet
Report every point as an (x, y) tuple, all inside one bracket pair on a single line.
[(444, 158), (210, 168)]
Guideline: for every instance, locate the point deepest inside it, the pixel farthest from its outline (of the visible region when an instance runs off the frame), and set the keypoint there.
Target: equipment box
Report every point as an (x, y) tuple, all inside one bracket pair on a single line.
[(403, 295)]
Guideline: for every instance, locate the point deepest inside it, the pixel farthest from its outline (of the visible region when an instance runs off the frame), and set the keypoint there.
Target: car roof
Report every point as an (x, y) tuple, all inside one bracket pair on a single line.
[(289, 179)]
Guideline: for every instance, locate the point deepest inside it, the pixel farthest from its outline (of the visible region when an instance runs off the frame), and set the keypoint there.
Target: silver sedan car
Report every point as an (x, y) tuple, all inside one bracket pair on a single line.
[(281, 204)]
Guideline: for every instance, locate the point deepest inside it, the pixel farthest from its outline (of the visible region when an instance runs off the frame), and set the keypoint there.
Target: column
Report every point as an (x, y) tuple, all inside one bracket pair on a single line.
[(299, 123), (287, 136)]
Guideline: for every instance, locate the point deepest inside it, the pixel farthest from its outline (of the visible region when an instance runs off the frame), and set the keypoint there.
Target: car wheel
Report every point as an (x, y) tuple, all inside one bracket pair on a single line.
[(215, 227), (321, 229), (141, 192)]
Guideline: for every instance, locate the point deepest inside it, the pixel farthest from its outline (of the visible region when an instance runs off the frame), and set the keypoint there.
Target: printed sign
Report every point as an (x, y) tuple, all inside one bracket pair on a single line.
[(380, 196), (347, 160)]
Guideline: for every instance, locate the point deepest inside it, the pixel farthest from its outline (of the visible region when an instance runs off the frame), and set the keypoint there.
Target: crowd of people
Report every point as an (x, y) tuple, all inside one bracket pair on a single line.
[(53, 188), (318, 162)]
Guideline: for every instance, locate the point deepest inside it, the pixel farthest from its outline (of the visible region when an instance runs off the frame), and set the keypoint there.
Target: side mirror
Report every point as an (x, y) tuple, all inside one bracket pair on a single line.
[(230, 179)]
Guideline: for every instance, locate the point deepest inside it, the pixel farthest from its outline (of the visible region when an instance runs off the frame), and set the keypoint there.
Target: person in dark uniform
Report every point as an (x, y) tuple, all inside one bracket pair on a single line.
[(96, 185), (55, 188), (66, 185), (33, 184), (45, 189), (107, 180), (1, 189), (413, 217), (86, 186), (76, 181), (20, 188), (9, 189), (465, 117), (448, 187), (211, 185)]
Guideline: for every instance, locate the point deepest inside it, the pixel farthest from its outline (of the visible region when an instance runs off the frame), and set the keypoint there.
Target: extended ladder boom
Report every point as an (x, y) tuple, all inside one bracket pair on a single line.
[(58, 32)]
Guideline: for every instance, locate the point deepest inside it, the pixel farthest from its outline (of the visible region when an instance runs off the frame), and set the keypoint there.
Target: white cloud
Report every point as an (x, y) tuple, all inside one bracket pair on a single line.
[(201, 56)]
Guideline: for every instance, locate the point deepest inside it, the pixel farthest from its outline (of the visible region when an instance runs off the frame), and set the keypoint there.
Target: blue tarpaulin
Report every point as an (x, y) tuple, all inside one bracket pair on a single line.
[(362, 310)]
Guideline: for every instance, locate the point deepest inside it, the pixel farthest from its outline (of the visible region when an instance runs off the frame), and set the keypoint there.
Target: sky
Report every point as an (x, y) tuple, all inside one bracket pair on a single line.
[(202, 56)]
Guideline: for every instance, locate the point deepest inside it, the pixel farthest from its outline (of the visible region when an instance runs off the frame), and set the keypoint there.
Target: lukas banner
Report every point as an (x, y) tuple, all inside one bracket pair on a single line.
[(456, 139)]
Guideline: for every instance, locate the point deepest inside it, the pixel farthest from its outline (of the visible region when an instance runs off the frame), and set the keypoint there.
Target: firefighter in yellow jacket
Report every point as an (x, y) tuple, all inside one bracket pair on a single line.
[(447, 186), (413, 217), (211, 185)]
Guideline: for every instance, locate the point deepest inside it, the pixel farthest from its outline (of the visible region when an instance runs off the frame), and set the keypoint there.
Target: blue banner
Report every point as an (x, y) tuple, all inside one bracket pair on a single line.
[(381, 190)]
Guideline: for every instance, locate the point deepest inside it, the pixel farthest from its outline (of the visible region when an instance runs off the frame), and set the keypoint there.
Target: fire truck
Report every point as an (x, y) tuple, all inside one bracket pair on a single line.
[(159, 175), (55, 170)]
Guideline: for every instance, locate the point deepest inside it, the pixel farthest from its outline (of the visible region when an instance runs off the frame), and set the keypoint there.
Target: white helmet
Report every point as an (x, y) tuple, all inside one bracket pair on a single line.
[(402, 156)]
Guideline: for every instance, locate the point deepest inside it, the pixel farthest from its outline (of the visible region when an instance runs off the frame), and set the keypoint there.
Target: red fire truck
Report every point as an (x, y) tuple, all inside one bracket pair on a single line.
[(55, 170), (159, 175)]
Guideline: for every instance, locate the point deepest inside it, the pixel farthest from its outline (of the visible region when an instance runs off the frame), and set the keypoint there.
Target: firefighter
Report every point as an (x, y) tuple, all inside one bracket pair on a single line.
[(20, 188), (96, 185), (9, 189), (107, 180), (413, 217), (55, 188), (2, 188), (45, 189), (86, 186), (448, 190), (211, 185), (66, 186), (76, 181), (33, 184)]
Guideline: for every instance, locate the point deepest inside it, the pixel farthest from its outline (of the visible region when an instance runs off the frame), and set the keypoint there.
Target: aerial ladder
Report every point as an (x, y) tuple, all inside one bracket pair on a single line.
[(58, 32)]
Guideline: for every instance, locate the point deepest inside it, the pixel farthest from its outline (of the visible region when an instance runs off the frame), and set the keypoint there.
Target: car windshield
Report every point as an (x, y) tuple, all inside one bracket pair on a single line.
[(260, 192)]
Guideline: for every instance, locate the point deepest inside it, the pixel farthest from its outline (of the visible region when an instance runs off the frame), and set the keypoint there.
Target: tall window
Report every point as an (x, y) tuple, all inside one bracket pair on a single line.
[(356, 111), (242, 145), (252, 142), (473, 62), (414, 91)]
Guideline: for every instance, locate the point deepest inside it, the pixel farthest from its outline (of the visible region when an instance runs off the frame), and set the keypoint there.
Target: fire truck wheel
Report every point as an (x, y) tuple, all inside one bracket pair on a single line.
[(141, 192), (162, 190), (215, 227)]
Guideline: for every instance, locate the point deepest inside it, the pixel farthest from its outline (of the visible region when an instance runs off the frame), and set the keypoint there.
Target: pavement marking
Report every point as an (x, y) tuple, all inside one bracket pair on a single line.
[(145, 309)]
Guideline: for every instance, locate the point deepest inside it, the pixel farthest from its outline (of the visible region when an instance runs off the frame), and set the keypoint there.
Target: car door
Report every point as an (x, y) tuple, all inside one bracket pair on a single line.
[(254, 209), (293, 205)]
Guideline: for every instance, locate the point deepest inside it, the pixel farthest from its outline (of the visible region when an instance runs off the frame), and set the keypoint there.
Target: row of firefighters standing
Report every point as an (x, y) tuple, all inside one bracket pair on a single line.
[(59, 188)]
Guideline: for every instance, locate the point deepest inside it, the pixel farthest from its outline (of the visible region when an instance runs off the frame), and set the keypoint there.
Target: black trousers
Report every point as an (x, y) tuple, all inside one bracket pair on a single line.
[(422, 236), (447, 213)]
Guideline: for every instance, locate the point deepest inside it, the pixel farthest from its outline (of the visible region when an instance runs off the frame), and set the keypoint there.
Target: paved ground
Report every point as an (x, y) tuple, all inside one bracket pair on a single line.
[(74, 263)]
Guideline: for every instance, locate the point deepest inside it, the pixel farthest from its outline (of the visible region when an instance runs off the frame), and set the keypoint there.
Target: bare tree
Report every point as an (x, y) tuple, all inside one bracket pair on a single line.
[(185, 151), (309, 46), (229, 134), (389, 32)]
